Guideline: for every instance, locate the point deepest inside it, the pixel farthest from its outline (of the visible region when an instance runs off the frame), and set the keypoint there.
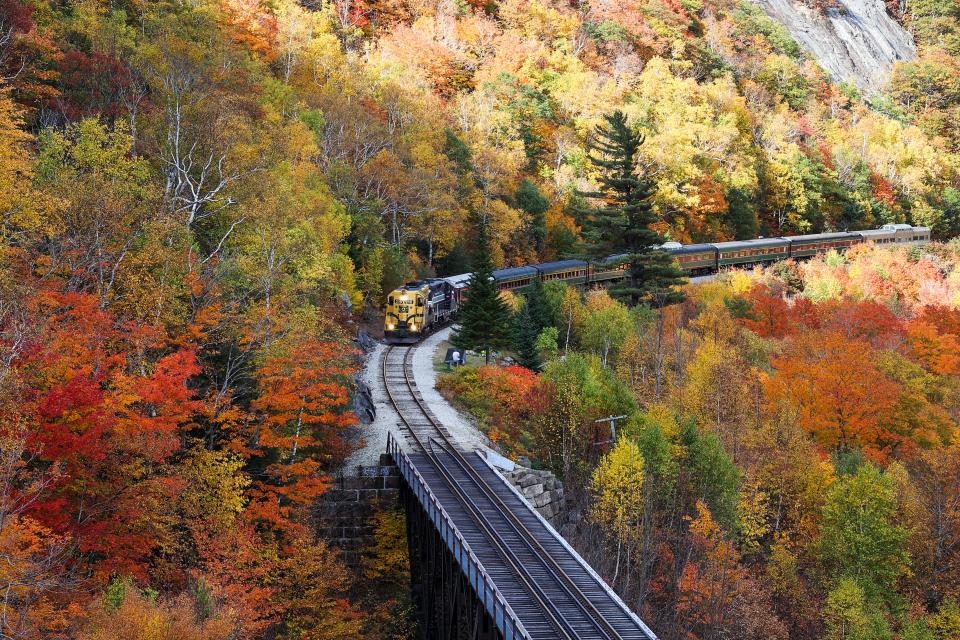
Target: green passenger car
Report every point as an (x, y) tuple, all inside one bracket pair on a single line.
[(741, 252), (693, 258), (811, 245)]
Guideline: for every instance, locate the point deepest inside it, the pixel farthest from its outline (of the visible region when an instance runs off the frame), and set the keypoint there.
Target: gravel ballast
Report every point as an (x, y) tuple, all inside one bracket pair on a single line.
[(371, 439)]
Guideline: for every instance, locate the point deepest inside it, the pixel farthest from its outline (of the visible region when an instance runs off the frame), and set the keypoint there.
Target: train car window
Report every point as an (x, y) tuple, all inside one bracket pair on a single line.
[(390, 300)]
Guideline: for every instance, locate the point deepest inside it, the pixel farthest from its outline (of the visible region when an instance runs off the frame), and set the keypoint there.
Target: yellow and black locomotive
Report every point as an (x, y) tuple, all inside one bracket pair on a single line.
[(417, 308)]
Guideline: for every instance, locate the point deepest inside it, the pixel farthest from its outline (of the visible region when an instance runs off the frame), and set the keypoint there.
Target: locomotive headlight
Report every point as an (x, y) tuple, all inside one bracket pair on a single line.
[(413, 328), (391, 327)]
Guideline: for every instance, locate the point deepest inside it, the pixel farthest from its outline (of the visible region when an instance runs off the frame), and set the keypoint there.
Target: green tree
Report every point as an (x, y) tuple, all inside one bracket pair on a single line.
[(485, 317), (534, 204), (949, 226), (713, 475), (606, 326), (547, 345), (622, 223), (849, 615), (457, 150), (541, 308), (525, 334), (860, 537), (741, 215)]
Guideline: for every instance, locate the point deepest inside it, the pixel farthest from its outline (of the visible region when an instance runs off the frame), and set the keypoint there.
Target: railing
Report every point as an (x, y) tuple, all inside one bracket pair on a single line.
[(494, 603)]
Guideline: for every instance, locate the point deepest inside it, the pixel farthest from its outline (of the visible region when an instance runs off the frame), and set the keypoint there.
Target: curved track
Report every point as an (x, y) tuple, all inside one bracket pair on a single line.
[(567, 612)]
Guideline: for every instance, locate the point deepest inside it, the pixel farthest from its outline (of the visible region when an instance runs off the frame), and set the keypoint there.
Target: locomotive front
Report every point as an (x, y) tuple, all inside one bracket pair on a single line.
[(405, 315)]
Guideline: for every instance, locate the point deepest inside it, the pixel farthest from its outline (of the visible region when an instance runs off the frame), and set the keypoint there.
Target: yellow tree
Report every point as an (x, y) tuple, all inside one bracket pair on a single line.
[(618, 497), (698, 145), (719, 391), (125, 612), (288, 248), (108, 199), (20, 206)]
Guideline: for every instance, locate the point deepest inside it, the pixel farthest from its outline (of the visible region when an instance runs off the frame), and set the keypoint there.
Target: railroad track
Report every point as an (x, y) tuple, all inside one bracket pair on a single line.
[(527, 563)]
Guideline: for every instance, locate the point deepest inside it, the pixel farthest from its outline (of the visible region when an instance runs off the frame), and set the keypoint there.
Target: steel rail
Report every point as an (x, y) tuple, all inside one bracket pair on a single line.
[(504, 550), (550, 564), (558, 573), (557, 619), (476, 574)]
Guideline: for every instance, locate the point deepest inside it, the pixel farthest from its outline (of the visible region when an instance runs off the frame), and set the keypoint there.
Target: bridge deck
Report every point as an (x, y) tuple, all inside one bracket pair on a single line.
[(524, 605)]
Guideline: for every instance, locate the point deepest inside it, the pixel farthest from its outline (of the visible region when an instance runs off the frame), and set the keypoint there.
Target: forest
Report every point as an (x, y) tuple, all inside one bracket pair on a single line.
[(788, 466), (201, 201)]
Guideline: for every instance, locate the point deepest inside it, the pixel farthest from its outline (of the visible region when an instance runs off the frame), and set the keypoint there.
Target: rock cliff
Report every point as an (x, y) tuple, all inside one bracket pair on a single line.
[(855, 40)]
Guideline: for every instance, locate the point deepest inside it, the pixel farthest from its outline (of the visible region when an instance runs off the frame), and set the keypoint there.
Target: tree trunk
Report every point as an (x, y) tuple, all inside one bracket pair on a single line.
[(658, 356)]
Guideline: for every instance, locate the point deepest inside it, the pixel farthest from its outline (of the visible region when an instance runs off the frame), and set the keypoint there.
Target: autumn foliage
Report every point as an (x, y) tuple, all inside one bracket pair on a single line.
[(840, 396), (200, 202), (788, 469)]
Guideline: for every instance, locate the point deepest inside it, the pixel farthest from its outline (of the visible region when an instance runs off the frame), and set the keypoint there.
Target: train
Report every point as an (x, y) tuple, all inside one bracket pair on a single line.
[(418, 308)]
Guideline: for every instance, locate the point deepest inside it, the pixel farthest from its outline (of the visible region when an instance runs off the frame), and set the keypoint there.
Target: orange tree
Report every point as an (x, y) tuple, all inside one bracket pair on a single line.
[(833, 388), (303, 406)]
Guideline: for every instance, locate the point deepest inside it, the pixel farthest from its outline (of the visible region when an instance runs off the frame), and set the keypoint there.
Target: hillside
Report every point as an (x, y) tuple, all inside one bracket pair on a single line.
[(201, 201), (421, 113), (787, 462)]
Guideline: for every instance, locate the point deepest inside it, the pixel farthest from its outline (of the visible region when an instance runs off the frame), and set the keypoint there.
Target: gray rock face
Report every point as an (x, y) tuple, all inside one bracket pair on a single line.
[(856, 41)]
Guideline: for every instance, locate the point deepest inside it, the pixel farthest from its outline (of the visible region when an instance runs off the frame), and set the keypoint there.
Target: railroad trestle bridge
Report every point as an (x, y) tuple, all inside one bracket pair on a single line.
[(484, 564)]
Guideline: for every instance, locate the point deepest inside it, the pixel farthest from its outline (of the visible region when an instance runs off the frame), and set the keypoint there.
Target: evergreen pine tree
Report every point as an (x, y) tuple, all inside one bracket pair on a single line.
[(525, 334), (622, 223), (535, 205), (485, 319), (539, 307)]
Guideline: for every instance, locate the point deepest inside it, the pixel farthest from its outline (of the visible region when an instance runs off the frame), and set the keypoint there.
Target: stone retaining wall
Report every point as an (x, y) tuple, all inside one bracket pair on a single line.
[(343, 513), (542, 490)]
